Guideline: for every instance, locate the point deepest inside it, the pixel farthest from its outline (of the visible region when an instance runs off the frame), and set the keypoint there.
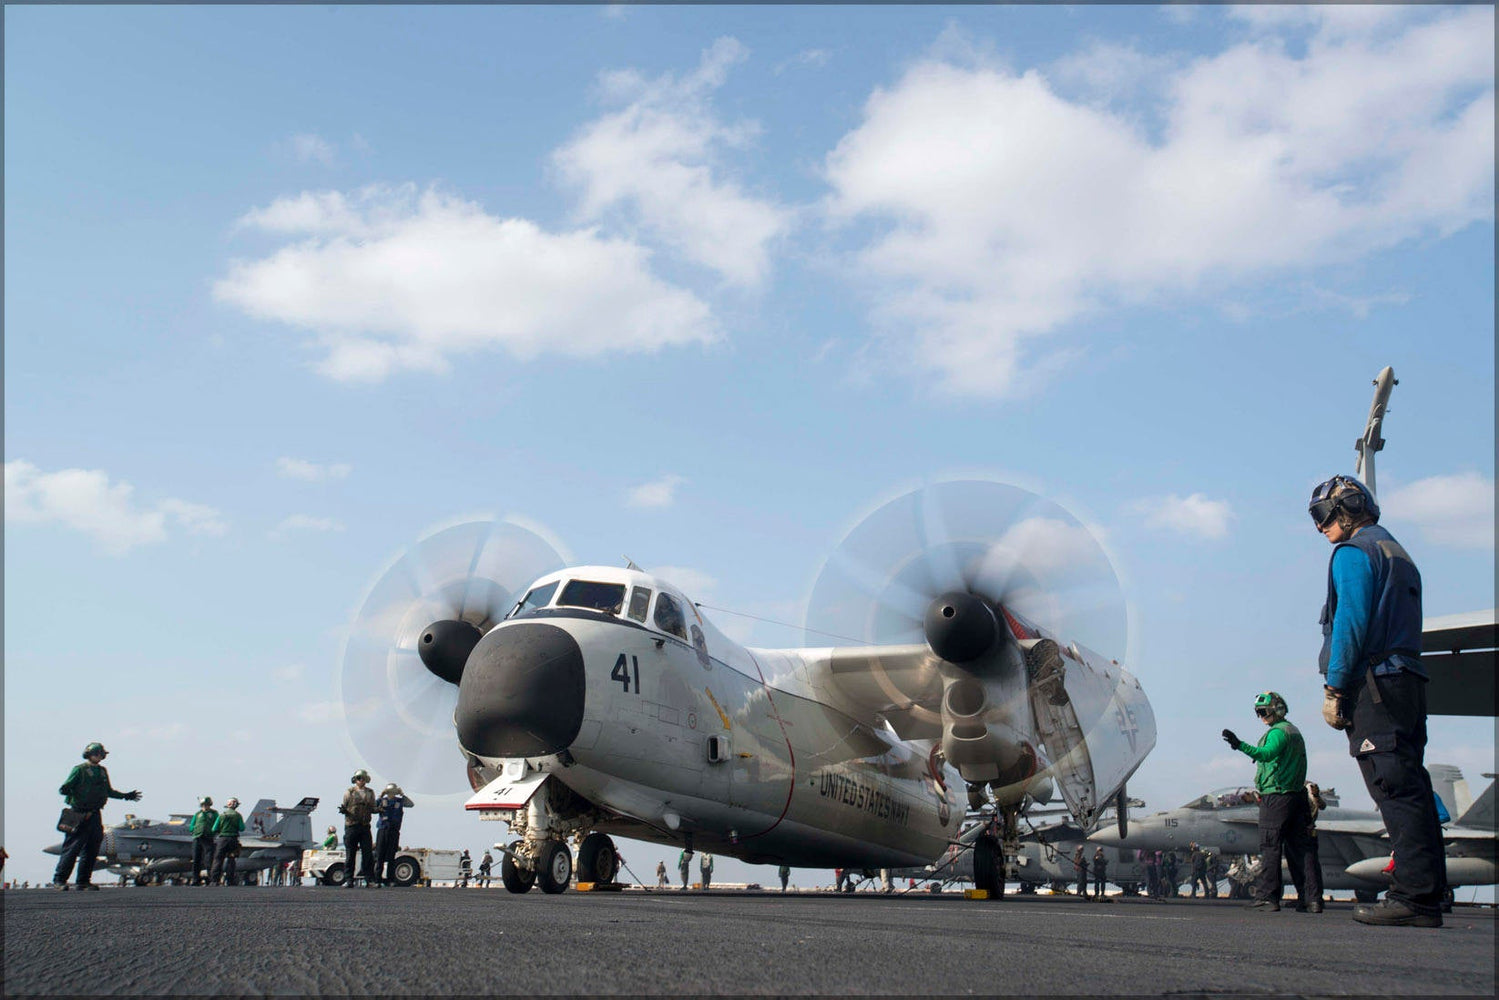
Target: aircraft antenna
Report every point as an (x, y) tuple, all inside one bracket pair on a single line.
[(771, 621), (1371, 442), (630, 564)]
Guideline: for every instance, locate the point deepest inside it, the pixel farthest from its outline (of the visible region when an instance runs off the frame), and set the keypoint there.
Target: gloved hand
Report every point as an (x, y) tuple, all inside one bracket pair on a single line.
[(342, 811), (1230, 739), (1334, 708), (134, 796)]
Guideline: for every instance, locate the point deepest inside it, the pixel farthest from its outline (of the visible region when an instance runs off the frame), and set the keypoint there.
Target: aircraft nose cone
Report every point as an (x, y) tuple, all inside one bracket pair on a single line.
[(1107, 836), (521, 694)]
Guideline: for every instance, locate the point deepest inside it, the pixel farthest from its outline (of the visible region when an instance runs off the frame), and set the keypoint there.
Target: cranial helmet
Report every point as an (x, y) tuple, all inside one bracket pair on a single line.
[(332, 829), (232, 802), (392, 789), (1271, 705), (95, 748), (361, 773), (1345, 494), (205, 801)]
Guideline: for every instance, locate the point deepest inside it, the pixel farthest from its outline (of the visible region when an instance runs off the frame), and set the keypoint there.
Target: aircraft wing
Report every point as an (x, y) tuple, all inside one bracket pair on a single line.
[(1459, 654), (901, 683)]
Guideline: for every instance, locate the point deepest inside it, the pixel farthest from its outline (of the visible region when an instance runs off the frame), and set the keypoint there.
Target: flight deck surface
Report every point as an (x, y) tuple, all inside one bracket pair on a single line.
[(314, 941)]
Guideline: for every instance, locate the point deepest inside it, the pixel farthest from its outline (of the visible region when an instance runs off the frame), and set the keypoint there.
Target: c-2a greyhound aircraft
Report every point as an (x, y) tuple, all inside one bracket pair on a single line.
[(594, 701)]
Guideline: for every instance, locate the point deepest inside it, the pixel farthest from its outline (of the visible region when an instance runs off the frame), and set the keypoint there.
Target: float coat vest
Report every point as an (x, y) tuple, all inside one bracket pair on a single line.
[(1395, 624)]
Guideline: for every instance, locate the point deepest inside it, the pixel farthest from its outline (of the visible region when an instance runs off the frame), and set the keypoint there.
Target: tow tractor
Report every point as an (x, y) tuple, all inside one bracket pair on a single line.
[(413, 866)]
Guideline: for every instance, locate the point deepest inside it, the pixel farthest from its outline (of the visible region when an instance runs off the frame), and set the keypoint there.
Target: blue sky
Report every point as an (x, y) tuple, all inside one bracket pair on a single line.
[(700, 286)]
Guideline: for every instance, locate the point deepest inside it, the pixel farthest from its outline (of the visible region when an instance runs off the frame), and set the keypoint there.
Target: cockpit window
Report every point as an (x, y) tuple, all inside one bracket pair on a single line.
[(669, 616), (640, 600), (606, 597), (539, 597)]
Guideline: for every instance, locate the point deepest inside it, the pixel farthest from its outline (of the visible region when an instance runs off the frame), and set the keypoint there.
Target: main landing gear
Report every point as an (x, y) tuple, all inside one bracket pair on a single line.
[(993, 849), (549, 863)]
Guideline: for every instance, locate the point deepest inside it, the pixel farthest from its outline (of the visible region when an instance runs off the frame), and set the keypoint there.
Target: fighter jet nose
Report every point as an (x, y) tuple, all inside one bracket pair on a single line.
[(521, 694), (1107, 836)]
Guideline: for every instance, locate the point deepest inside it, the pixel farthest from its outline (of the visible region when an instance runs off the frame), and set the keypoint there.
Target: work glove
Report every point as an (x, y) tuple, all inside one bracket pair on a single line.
[(134, 796), (1334, 705), (1230, 739), (343, 811)]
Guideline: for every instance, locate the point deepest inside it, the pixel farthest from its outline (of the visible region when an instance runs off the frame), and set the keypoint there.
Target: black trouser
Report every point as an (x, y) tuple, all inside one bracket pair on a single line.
[(1284, 823), (81, 847), (1170, 883), (1395, 726), (202, 857), (225, 850), (387, 842), (1100, 878), (357, 838)]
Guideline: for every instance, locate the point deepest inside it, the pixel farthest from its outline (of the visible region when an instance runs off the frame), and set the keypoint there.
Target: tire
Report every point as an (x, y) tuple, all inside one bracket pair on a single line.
[(335, 873), (406, 871), (987, 861), (554, 867), (516, 879), (597, 861)]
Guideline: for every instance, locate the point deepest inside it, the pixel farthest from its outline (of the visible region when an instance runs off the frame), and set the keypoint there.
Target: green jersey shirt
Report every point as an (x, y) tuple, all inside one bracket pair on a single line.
[(88, 787), (204, 820), (1281, 756), (230, 824)]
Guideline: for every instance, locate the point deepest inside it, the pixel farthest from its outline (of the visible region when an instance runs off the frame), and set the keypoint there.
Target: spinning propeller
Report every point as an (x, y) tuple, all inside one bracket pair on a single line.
[(398, 681), (942, 565)]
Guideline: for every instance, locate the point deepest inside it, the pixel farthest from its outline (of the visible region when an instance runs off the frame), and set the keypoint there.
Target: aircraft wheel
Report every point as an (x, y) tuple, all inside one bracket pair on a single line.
[(516, 879), (987, 859), (407, 871), (334, 875), (1027, 888), (1366, 895), (554, 867), (597, 861)]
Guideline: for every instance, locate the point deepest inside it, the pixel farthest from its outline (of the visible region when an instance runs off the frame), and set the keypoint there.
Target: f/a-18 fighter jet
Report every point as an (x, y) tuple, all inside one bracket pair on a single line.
[(592, 701), (149, 851)]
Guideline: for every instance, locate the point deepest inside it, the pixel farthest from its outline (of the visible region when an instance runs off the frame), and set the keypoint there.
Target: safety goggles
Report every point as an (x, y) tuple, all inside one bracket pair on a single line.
[(1262, 712), (1323, 511)]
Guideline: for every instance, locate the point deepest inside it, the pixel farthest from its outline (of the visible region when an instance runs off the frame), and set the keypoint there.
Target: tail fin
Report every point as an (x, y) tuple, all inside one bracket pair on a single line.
[(295, 824), (261, 818), (1481, 815), (1451, 787)]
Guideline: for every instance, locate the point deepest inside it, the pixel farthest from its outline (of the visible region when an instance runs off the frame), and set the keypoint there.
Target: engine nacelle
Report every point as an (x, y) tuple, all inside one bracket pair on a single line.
[(444, 647), (960, 627)]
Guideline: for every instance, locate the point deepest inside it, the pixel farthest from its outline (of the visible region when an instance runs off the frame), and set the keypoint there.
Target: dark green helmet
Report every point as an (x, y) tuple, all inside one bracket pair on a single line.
[(95, 748)]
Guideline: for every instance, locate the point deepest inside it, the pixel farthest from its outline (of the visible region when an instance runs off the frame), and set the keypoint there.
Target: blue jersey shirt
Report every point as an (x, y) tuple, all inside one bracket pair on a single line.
[(392, 810), (1354, 579)]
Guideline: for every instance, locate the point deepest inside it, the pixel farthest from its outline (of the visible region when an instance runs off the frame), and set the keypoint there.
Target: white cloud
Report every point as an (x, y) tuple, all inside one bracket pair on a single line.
[(657, 493), (1193, 515), (659, 160), (1456, 510), (309, 148), (311, 472), (85, 500), (305, 522), (1009, 211), (288, 673), (693, 583), (389, 279)]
